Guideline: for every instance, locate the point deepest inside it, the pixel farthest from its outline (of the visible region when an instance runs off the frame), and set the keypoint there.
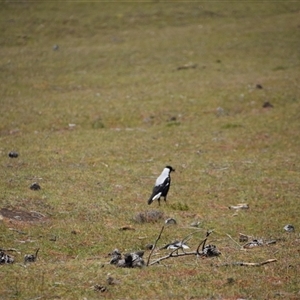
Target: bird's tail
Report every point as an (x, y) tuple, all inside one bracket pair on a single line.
[(150, 200)]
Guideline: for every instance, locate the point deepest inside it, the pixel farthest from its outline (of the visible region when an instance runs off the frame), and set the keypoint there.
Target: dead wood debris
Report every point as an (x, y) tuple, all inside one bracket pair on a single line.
[(239, 206), (126, 227), (187, 66), (248, 264), (206, 250), (254, 242)]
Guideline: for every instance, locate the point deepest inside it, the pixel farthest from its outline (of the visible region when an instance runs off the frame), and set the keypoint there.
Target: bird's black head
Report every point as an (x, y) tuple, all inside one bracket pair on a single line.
[(170, 168)]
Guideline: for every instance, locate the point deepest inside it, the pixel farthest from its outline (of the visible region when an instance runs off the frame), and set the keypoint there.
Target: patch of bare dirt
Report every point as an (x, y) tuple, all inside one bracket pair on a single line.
[(21, 215)]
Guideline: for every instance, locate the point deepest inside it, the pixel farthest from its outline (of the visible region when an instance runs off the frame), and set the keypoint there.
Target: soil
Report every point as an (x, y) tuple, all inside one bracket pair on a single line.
[(21, 215)]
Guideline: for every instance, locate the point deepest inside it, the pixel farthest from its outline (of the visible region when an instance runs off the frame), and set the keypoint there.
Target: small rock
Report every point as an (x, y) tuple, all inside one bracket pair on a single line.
[(195, 224), (172, 119), (111, 281), (267, 104), (149, 246), (220, 111), (289, 228), (259, 86), (31, 257), (53, 238), (139, 253), (230, 280), (170, 221), (35, 186), (116, 256), (254, 243), (129, 260), (99, 288), (210, 251), (5, 258), (176, 245), (243, 238), (13, 154), (55, 47), (137, 259)]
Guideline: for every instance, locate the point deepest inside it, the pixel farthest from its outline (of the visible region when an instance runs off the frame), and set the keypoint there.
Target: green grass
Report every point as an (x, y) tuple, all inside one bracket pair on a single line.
[(115, 76)]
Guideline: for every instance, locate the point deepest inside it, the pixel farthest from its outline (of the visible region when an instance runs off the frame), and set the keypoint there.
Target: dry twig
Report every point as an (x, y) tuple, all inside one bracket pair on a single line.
[(203, 242), (175, 253), (155, 243), (240, 263)]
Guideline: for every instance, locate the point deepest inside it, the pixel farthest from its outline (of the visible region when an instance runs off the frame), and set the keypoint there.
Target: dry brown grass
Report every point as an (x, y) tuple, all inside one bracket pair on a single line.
[(95, 122)]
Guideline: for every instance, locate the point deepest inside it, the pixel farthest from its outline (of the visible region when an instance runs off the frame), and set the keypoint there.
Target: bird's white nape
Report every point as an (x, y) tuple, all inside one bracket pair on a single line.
[(162, 177)]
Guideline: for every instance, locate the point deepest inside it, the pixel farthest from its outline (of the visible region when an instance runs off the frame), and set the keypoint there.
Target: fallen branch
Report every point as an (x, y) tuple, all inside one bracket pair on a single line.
[(204, 241), (10, 249), (204, 252), (248, 264), (172, 255), (239, 206), (155, 243)]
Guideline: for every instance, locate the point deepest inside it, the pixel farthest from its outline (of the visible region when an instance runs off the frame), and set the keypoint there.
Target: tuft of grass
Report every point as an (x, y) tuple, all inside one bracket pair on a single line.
[(230, 125), (180, 206), (150, 216)]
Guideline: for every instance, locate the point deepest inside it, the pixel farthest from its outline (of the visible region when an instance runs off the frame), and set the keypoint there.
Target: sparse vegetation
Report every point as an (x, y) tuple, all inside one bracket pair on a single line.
[(97, 97), (149, 216)]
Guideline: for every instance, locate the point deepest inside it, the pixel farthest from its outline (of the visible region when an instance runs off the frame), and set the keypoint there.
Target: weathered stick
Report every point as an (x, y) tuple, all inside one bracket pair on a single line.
[(203, 242), (10, 249), (197, 252), (155, 243), (172, 255), (240, 263)]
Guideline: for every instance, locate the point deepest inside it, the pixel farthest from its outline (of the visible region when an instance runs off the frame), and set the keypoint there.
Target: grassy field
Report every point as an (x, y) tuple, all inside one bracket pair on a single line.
[(98, 97)]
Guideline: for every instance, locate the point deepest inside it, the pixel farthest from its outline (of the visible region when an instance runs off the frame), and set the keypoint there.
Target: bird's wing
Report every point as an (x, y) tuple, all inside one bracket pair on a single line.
[(158, 189)]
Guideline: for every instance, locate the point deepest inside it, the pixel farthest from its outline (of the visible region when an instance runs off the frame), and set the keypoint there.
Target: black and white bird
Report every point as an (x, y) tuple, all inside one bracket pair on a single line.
[(162, 185)]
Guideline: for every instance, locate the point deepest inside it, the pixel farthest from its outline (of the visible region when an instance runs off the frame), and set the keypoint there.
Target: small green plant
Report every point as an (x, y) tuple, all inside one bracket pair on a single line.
[(180, 206), (231, 125)]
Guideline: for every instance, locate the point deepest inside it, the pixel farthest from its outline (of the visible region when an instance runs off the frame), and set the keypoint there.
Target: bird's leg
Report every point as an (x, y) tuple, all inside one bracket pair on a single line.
[(158, 201), (165, 198)]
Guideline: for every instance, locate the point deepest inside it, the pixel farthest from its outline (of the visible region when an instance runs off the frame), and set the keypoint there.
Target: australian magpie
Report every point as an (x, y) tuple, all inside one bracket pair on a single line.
[(162, 185)]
